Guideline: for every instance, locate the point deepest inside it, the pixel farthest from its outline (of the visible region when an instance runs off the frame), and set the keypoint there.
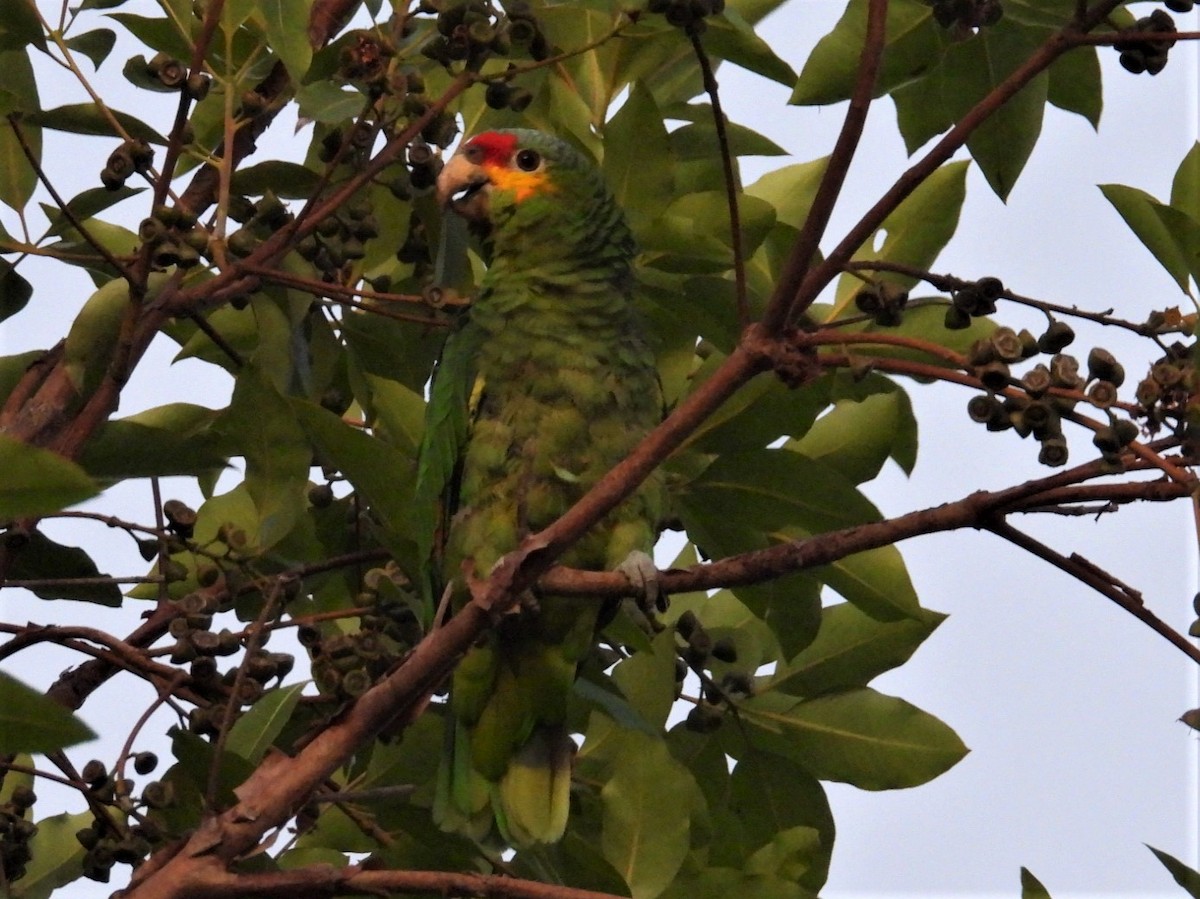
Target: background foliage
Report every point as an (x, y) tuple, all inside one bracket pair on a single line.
[(318, 290)]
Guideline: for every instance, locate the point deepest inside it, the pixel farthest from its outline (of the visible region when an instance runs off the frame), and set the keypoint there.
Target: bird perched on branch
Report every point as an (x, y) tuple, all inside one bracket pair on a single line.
[(548, 384)]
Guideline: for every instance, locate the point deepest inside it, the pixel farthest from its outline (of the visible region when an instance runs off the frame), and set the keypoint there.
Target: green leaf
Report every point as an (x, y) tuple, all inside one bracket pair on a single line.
[(1075, 84), (95, 44), (751, 500), (722, 882), (15, 291), (32, 722), (264, 428), (382, 476), (13, 369), (1172, 236), (733, 39), (17, 177), (56, 856), (286, 25), (93, 335), (857, 736), (19, 26), (40, 557), (37, 481), (87, 118), (915, 232), (637, 158), (645, 818), (1002, 144), (790, 190), (648, 679), (857, 436), (86, 205), (176, 439), (771, 795), (284, 179), (326, 102), (912, 45), (1031, 887), (254, 732), (1185, 187), (851, 649), (1185, 876), (156, 33)]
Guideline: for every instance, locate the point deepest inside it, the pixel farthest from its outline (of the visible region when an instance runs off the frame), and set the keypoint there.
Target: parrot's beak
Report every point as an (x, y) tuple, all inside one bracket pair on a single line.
[(461, 187)]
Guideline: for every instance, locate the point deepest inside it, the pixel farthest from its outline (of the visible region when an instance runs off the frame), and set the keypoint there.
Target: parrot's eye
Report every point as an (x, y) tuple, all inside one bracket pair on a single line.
[(474, 154), (528, 160)]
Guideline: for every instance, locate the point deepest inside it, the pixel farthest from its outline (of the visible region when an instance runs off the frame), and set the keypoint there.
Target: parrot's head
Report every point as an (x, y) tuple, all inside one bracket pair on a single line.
[(518, 181)]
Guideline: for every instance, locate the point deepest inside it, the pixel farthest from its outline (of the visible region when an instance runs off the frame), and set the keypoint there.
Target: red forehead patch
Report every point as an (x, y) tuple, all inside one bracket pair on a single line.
[(496, 148)]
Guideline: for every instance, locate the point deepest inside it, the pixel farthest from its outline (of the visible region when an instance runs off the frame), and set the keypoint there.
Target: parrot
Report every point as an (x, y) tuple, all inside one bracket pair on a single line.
[(548, 383)]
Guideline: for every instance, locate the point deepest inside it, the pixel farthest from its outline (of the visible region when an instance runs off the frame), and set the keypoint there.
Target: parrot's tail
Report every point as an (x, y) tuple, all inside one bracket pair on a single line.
[(533, 798)]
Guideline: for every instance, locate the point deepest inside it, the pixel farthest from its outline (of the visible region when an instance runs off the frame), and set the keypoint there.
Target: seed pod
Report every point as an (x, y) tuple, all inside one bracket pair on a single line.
[(956, 319), (1054, 452), (981, 408), (1064, 372), (1127, 431), (994, 376), (1057, 337), (1102, 394), (94, 773), (180, 517), (1007, 345), (1036, 381), (725, 650), (1100, 364), (704, 718)]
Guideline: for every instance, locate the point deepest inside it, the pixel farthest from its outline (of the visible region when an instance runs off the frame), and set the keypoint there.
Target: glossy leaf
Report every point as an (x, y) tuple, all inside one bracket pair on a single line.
[(381, 475), (751, 500), (857, 736), (1031, 887), (15, 291), (42, 558), (265, 430), (253, 733), (286, 25), (37, 481), (771, 795), (851, 649), (915, 233), (857, 437), (176, 439), (644, 833), (911, 46), (648, 679), (19, 94), (1185, 876), (95, 45), (57, 856), (1185, 186), (637, 158), (1075, 84), (32, 722), (1172, 236)]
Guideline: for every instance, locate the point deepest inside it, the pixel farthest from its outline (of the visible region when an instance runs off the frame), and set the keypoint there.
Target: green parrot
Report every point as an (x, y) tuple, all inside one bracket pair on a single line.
[(548, 384)]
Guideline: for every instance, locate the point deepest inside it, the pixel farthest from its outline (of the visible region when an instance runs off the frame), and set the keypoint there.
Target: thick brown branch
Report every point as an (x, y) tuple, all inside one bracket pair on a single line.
[(325, 880), (796, 267)]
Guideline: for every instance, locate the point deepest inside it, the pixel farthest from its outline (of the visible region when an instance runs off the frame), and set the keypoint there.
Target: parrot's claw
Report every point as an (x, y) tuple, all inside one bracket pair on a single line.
[(640, 571)]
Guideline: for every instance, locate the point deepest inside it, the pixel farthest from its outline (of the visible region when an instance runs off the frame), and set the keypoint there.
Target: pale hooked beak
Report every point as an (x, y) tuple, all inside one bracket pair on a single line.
[(460, 186)]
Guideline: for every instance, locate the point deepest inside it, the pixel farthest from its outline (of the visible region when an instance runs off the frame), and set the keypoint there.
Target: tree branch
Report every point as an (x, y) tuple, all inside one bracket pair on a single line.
[(796, 268)]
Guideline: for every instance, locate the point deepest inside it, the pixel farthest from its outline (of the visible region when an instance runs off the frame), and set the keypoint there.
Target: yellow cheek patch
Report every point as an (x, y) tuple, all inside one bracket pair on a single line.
[(522, 185)]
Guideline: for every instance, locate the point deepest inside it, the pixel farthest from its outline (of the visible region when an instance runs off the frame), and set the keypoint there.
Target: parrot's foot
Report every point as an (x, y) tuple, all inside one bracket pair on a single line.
[(640, 571)]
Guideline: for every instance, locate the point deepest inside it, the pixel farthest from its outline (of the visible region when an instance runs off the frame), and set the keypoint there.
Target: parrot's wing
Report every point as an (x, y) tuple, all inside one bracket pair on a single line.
[(453, 399)]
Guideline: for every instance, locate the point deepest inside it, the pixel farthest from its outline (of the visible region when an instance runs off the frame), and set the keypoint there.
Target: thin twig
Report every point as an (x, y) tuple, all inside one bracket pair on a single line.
[(1099, 580), (728, 175)]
